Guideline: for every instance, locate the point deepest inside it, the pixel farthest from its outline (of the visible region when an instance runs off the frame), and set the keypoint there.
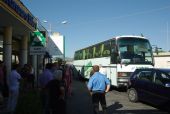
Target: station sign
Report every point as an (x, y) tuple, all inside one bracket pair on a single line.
[(37, 43), (37, 50)]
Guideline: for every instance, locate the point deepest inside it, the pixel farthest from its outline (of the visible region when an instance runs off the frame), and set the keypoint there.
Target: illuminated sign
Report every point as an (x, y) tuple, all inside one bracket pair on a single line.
[(37, 43), (26, 16), (37, 39)]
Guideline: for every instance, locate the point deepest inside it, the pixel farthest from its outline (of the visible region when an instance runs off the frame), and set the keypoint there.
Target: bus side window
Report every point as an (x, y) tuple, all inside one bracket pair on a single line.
[(86, 54), (77, 55), (114, 53), (90, 52), (106, 50), (97, 54), (83, 54), (94, 48), (98, 50)]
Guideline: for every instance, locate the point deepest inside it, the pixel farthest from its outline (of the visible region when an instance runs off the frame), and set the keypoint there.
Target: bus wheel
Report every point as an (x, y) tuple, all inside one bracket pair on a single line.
[(132, 95)]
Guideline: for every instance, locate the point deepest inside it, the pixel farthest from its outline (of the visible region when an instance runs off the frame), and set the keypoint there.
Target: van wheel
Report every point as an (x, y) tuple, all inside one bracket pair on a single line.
[(132, 95)]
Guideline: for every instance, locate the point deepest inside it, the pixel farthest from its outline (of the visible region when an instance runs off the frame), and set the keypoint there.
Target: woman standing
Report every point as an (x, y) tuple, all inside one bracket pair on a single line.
[(68, 79)]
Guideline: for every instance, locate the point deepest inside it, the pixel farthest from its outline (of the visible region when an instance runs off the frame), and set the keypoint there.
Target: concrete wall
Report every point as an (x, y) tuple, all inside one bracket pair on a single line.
[(162, 60)]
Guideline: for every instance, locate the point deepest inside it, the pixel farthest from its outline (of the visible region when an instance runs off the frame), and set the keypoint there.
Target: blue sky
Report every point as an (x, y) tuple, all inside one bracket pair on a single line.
[(93, 21)]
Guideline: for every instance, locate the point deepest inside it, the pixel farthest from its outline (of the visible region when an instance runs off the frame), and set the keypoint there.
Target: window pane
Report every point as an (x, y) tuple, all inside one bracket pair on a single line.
[(98, 49), (135, 50), (146, 75), (106, 49), (90, 52), (114, 53)]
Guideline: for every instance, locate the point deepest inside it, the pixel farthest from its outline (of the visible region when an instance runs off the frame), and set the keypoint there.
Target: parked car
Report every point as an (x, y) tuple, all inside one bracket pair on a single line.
[(150, 85)]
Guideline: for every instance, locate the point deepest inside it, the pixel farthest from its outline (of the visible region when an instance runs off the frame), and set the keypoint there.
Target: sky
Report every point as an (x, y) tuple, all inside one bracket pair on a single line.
[(93, 21)]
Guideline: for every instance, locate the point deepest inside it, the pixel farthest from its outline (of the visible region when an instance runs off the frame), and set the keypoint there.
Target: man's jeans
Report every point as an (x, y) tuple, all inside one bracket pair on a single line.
[(96, 98)]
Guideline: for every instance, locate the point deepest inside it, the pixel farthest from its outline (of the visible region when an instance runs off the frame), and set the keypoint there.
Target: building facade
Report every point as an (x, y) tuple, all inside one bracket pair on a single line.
[(16, 23), (162, 60)]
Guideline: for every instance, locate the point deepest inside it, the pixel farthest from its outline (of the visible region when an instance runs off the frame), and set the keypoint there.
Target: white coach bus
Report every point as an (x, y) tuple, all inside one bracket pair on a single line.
[(119, 57)]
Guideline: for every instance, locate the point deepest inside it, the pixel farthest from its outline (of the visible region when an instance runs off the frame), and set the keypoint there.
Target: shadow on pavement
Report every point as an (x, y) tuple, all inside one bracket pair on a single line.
[(116, 109)]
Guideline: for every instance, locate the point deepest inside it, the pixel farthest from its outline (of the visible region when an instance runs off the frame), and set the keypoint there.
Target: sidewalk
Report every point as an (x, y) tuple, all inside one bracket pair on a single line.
[(80, 102)]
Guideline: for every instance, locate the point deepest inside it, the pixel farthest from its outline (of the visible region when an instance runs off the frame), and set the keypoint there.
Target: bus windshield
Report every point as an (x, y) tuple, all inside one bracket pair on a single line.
[(134, 51)]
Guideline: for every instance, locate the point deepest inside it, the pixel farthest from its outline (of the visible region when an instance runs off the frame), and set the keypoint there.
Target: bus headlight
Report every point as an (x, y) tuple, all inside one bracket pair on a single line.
[(123, 74)]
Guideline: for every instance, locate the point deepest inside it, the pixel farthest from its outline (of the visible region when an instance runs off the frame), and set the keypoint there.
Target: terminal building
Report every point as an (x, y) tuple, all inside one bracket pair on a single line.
[(16, 23)]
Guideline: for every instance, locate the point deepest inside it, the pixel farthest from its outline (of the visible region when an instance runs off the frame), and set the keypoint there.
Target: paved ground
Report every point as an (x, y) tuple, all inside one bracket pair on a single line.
[(80, 101), (117, 102)]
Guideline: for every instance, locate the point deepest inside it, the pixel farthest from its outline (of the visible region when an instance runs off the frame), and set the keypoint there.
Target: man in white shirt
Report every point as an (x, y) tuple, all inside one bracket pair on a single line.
[(14, 79)]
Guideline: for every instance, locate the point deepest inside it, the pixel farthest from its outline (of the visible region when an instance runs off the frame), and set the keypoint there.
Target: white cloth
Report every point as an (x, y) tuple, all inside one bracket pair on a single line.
[(103, 71), (14, 78), (12, 100)]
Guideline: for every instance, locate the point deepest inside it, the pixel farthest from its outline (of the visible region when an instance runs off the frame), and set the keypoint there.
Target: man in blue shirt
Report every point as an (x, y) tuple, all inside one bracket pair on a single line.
[(98, 85)]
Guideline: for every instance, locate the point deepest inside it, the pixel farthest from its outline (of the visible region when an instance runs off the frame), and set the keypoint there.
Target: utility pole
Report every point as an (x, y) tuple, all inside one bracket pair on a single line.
[(167, 42), (156, 49)]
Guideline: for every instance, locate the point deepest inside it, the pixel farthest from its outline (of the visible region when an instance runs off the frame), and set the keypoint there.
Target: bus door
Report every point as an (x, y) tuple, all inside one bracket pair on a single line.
[(112, 74)]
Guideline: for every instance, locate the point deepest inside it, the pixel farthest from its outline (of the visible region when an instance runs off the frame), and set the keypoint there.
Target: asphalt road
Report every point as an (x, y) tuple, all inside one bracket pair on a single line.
[(117, 102)]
